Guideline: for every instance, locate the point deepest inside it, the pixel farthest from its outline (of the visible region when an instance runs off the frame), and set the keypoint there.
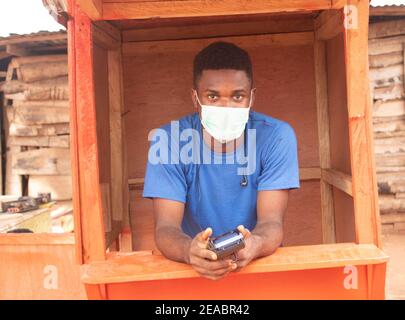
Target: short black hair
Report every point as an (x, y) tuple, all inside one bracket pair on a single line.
[(222, 55)]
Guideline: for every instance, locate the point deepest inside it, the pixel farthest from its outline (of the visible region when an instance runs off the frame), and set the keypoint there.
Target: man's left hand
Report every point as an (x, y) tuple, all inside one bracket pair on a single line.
[(250, 251)]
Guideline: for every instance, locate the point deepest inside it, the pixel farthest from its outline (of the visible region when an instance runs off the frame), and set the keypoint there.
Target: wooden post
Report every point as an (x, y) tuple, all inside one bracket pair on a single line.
[(327, 205), (85, 160), (365, 193), (120, 190)]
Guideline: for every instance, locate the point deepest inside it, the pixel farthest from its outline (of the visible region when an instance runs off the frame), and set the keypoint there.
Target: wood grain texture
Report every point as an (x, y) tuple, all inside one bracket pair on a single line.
[(197, 8), (339, 136), (130, 268), (87, 199), (361, 140), (328, 210)]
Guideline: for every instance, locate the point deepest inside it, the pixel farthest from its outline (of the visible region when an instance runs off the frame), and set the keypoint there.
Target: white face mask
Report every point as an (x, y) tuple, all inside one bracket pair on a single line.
[(224, 123)]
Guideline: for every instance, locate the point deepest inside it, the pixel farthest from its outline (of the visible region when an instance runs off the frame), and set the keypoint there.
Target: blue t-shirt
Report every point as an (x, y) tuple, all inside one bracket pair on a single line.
[(183, 168)]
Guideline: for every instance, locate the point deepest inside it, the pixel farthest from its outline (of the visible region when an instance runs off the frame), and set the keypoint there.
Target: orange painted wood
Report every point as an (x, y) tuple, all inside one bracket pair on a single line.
[(308, 284), (39, 266), (136, 267), (74, 152), (86, 161), (37, 239), (92, 8), (365, 191), (119, 10)]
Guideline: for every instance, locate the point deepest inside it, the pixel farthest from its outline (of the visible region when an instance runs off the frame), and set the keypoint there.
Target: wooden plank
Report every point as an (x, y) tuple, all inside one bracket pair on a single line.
[(289, 39), (386, 29), (85, 160), (16, 50), (92, 8), (43, 70), (129, 268), (45, 161), (39, 115), (389, 204), (387, 11), (329, 24), (219, 29), (327, 205), (392, 92), (42, 103), (199, 8), (19, 61), (60, 187), (338, 4), (116, 143), (393, 217), (73, 28), (383, 46), (391, 108), (104, 39), (389, 72), (365, 192), (38, 130), (338, 179), (34, 239), (385, 60)]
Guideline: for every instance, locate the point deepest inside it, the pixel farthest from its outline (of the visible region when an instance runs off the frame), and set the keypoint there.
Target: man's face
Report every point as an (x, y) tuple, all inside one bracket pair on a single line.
[(223, 88)]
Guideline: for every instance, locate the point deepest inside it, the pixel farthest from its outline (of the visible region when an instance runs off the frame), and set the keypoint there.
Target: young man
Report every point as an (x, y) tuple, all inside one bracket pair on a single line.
[(239, 173)]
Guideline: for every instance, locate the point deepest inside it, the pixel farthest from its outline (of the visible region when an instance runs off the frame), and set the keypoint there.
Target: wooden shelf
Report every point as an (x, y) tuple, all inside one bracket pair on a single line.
[(143, 265)]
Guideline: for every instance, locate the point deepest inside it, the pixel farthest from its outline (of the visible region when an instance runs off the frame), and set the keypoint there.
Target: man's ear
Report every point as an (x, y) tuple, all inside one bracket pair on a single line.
[(253, 97), (193, 98)]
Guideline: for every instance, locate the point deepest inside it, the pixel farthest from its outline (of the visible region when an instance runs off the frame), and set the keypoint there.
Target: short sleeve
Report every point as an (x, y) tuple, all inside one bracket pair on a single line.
[(280, 168), (163, 178)]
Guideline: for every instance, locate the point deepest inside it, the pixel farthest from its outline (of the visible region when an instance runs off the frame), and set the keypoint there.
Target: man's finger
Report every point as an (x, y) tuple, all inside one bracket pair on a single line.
[(245, 231), (206, 254), (204, 235)]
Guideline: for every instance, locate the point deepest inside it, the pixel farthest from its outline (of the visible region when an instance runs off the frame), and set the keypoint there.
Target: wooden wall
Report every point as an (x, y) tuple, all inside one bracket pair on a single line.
[(386, 61), (157, 81)]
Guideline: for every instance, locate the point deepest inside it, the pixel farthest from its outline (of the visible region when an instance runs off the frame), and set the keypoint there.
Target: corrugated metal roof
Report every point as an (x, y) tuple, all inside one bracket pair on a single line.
[(34, 36), (42, 42), (387, 3)]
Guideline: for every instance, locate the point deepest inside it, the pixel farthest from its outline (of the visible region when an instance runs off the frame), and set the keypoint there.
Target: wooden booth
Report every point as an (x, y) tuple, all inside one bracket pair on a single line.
[(130, 68)]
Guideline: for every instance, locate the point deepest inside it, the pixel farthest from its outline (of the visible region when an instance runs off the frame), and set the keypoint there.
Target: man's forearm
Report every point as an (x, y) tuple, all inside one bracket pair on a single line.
[(173, 243), (267, 237)]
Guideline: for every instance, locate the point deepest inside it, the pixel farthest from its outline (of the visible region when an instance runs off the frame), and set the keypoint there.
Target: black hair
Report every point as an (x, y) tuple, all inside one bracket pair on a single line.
[(222, 55)]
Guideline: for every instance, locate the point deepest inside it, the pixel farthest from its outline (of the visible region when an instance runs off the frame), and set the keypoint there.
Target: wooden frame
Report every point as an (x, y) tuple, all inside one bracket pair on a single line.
[(101, 272)]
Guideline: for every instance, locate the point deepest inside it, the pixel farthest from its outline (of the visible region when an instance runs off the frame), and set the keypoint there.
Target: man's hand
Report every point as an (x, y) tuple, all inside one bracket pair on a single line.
[(206, 262), (250, 251)]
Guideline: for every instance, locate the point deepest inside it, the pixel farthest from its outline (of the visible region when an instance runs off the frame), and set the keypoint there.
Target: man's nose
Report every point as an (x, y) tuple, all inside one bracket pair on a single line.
[(224, 102)]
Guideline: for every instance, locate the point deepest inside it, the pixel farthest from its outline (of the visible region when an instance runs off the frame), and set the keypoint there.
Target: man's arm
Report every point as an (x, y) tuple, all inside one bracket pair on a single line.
[(169, 237), (176, 245), (267, 236)]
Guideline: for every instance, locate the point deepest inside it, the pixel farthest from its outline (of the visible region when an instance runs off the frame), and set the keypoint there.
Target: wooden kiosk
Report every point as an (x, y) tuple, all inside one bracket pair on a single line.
[(130, 67)]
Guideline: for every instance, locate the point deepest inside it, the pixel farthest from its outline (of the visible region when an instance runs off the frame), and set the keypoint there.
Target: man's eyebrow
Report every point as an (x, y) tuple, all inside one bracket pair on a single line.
[(211, 90)]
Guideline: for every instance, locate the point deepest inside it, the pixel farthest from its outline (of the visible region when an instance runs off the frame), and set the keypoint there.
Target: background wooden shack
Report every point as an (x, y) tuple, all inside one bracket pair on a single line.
[(36, 116), (386, 60)]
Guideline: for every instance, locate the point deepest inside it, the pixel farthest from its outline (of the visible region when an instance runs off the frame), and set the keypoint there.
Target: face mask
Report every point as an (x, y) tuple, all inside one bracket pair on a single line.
[(224, 123)]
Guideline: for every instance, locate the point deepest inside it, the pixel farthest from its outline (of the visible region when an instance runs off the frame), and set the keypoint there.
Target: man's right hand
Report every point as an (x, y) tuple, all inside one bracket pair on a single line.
[(205, 261)]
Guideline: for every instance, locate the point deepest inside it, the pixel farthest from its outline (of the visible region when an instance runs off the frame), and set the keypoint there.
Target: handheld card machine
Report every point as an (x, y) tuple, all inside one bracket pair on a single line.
[(227, 244)]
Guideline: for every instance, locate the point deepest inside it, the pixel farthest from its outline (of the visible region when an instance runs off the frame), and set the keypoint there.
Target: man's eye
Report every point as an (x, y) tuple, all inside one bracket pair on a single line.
[(238, 98), (212, 97)]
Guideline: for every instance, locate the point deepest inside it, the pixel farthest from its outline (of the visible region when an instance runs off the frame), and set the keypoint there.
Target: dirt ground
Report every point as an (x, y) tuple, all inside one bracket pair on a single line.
[(394, 246)]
